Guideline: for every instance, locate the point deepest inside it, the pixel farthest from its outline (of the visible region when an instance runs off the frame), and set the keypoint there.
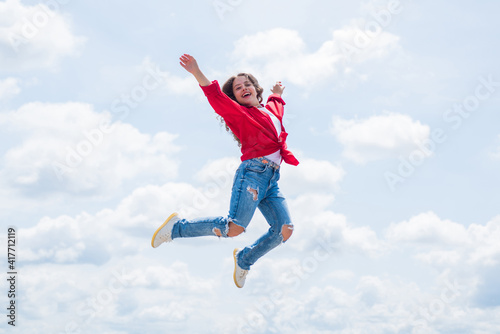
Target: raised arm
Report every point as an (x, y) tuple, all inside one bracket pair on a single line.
[(190, 65)]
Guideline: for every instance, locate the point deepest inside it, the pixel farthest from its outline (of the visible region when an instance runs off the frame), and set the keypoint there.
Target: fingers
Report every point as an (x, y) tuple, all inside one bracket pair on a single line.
[(278, 88), (185, 58), (185, 61)]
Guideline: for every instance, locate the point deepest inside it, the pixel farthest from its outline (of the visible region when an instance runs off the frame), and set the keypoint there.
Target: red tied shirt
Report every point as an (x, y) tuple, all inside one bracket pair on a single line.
[(253, 127)]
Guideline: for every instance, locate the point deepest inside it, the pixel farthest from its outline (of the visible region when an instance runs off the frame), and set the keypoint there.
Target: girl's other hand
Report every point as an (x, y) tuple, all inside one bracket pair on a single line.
[(278, 88)]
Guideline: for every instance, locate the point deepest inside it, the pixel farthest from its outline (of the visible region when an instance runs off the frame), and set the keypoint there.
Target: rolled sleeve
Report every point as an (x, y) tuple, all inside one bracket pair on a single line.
[(276, 103), (221, 103)]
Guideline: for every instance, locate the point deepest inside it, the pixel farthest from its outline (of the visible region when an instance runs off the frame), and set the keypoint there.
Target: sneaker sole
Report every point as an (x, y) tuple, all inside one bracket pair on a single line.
[(235, 267), (162, 226)]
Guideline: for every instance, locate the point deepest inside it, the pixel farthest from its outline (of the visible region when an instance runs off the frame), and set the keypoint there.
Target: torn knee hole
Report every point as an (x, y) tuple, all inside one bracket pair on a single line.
[(235, 230), (254, 192), (286, 231), (217, 232)]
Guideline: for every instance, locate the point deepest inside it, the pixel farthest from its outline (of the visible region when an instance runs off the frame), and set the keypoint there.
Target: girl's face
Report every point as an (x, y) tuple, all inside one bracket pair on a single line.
[(245, 92)]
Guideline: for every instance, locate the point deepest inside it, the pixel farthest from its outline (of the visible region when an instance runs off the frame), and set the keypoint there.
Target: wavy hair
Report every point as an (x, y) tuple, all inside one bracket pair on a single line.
[(227, 88)]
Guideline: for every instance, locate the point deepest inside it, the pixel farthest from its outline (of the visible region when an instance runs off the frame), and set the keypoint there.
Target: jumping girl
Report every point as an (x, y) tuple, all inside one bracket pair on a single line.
[(260, 132)]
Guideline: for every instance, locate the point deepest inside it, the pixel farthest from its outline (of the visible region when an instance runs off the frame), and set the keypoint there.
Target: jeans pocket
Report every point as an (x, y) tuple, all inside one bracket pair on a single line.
[(257, 168)]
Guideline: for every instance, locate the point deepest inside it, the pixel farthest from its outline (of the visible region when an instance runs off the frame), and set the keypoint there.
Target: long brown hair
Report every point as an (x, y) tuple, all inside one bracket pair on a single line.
[(227, 88)]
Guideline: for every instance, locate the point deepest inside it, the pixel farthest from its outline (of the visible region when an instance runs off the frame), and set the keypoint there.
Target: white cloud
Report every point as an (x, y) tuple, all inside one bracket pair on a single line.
[(137, 215), (371, 282), (340, 275), (495, 153), (428, 228), (278, 42), (380, 137), (358, 42), (185, 85), (440, 257), (96, 246), (130, 225), (220, 171), (9, 87), (363, 309), (71, 148), (282, 53), (33, 37), (178, 274), (92, 298), (485, 237), (318, 226), (443, 242), (468, 256), (311, 175), (67, 243), (294, 305), (280, 292)]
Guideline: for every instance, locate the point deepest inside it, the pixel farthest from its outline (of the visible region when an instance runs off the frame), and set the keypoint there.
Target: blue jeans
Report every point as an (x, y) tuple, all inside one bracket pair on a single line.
[(255, 186)]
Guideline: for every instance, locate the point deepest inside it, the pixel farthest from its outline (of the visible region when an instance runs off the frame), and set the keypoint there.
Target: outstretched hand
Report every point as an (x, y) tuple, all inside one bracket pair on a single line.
[(189, 63), (278, 88)]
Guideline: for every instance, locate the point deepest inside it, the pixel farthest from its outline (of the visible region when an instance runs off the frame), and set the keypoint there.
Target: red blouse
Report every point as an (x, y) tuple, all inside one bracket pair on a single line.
[(253, 127)]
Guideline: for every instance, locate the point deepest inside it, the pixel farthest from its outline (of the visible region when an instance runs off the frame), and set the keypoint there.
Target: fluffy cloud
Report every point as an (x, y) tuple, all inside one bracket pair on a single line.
[(469, 256), (89, 298), (185, 85), (359, 42), (138, 214), (495, 153), (311, 175), (68, 147), (116, 274), (9, 87), (291, 304), (428, 228), (126, 280), (379, 137), (36, 36), (73, 239), (318, 226), (220, 171), (282, 53), (443, 242), (285, 301)]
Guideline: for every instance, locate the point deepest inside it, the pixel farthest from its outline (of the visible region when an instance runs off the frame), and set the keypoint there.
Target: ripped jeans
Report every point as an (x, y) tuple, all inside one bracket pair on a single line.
[(255, 186)]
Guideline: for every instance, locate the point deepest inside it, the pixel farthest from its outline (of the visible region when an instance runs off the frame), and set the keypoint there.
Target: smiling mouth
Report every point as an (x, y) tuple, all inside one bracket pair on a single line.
[(246, 95)]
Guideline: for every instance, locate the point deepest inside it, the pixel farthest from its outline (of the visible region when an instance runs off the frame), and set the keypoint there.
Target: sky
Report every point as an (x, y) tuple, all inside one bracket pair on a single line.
[(391, 109)]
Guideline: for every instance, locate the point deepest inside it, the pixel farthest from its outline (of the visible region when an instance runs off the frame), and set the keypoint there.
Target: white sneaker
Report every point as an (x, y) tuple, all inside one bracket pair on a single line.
[(239, 273), (164, 232)]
